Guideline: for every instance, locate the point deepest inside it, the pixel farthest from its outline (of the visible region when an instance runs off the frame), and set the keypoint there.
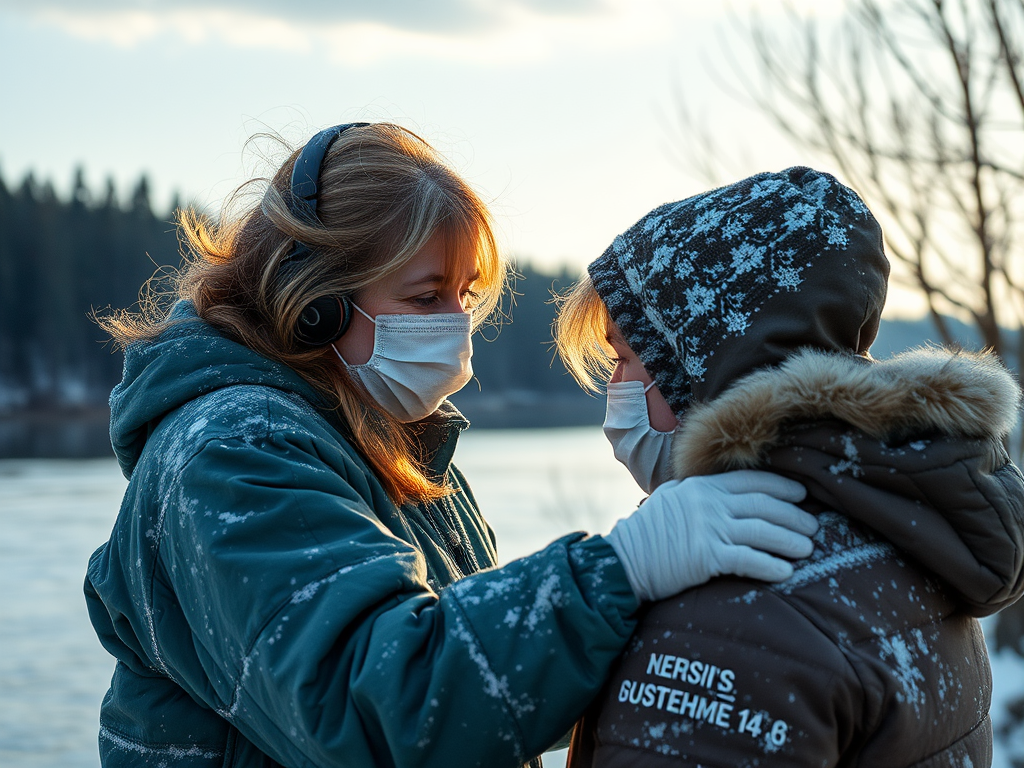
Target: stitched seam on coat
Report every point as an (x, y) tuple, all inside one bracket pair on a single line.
[(760, 646), (157, 561), (998, 475), (333, 568), (224, 439), (949, 746), (241, 669), (912, 476), (843, 650), (159, 523)]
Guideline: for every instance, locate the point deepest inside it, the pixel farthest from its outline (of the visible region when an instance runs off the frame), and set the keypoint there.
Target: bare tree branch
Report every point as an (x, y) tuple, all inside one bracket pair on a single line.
[(920, 106)]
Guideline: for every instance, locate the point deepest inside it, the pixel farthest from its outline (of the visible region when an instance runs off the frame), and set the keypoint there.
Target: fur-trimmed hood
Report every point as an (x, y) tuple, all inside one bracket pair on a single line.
[(910, 447), (923, 391)]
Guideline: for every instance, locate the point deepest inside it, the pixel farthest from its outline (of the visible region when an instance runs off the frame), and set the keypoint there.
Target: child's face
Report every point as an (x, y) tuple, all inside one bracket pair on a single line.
[(629, 368)]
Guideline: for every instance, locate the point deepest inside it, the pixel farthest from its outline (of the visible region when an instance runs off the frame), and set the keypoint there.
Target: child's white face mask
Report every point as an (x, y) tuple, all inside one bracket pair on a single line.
[(644, 451), (417, 361)]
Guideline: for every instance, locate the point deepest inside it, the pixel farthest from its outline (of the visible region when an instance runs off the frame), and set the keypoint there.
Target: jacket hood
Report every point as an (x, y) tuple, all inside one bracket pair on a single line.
[(188, 360), (711, 288), (910, 446)]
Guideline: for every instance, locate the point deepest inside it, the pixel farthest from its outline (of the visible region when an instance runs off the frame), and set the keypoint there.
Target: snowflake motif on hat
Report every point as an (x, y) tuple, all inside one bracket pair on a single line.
[(693, 273)]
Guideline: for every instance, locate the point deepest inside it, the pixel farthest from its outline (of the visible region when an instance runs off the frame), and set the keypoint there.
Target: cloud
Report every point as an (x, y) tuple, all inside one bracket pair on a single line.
[(360, 32), (447, 17), (353, 32)]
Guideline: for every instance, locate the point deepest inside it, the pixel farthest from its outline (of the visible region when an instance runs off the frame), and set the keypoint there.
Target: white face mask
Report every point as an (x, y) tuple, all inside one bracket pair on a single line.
[(417, 361), (627, 425)]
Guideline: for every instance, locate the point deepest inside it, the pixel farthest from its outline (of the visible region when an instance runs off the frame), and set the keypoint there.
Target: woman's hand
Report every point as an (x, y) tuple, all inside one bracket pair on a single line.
[(689, 531)]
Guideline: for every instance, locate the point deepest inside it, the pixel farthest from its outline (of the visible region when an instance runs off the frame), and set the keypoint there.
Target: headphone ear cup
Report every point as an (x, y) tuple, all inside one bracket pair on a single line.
[(324, 321)]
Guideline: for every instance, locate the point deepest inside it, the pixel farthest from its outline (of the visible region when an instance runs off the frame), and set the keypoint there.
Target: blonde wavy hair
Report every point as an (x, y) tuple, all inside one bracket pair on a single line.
[(384, 192), (581, 335)]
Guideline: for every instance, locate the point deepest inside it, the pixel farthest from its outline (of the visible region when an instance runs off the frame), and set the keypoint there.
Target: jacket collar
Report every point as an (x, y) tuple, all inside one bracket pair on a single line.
[(438, 435)]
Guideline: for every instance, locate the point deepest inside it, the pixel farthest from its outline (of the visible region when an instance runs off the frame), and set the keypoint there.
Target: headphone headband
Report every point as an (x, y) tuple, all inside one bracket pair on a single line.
[(306, 172), (324, 320)]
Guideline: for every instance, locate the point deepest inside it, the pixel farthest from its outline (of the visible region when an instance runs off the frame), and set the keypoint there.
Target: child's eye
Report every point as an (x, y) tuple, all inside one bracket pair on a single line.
[(470, 298)]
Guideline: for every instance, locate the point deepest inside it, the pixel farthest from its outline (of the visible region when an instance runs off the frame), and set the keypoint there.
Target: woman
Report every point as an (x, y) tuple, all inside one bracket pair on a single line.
[(299, 576), (746, 315)]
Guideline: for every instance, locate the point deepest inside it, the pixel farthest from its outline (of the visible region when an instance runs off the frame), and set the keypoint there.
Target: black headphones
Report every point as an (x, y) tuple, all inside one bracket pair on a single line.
[(323, 321)]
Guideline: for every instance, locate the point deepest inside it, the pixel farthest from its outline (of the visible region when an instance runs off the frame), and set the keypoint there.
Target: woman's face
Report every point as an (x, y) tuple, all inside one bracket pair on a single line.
[(629, 368), (421, 287)]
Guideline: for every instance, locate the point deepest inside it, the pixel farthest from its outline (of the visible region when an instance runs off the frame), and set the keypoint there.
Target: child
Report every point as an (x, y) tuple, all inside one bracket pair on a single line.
[(748, 312)]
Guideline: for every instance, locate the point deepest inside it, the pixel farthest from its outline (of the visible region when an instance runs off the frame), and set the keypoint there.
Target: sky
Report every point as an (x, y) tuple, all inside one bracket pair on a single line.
[(562, 113)]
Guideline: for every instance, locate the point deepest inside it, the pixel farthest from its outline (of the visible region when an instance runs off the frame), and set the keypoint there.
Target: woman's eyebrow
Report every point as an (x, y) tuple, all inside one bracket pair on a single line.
[(427, 279), (438, 278)]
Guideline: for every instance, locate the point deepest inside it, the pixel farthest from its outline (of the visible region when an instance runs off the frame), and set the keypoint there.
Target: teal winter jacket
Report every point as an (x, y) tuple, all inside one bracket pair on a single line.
[(268, 604)]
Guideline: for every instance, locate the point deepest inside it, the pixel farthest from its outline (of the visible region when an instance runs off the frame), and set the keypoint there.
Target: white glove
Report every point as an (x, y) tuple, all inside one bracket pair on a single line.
[(689, 531)]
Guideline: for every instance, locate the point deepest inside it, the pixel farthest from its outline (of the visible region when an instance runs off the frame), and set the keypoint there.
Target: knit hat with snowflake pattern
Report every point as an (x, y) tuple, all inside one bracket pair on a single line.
[(715, 286)]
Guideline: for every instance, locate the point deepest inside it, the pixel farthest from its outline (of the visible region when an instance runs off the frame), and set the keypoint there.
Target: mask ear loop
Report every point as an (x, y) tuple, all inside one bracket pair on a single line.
[(363, 313), (345, 362)]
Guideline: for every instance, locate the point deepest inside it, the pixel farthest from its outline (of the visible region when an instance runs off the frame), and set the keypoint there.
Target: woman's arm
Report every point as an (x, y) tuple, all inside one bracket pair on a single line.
[(321, 642)]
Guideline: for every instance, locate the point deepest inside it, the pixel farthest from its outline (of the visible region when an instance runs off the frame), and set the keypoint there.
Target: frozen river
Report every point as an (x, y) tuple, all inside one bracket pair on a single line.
[(533, 485)]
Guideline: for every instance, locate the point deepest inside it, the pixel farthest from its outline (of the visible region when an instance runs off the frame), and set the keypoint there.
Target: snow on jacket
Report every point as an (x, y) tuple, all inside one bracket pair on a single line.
[(868, 655), (268, 605)]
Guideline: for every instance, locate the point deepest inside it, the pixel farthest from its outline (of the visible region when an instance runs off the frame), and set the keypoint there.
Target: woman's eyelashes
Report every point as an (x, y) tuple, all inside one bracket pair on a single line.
[(467, 299), (426, 301)]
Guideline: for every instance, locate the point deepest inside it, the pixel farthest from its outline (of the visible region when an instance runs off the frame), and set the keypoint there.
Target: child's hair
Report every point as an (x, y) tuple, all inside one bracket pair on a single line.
[(581, 335), (384, 192)]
